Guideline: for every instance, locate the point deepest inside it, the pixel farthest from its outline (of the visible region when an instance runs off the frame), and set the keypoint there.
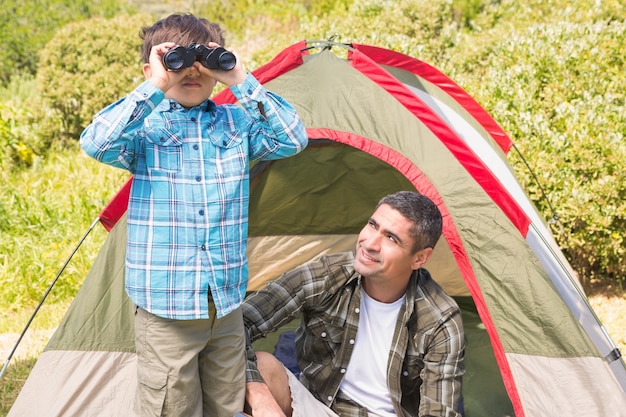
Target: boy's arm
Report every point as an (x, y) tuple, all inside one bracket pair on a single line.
[(276, 130), (112, 137)]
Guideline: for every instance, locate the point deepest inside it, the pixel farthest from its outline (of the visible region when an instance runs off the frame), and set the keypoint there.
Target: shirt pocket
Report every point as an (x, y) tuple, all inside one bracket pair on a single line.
[(230, 155), (413, 361), (325, 338), (164, 151)]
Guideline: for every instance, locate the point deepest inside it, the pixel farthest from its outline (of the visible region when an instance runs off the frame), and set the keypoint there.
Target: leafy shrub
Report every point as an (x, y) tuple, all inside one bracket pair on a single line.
[(18, 141), (26, 26), (86, 66), (559, 91), (420, 29)]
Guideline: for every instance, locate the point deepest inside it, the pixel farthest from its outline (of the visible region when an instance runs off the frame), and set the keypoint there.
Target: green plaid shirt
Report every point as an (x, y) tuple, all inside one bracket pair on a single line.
[(425, 364)]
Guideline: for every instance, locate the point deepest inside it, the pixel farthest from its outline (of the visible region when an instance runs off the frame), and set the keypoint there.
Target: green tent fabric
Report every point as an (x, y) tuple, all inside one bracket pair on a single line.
[(378, 121)]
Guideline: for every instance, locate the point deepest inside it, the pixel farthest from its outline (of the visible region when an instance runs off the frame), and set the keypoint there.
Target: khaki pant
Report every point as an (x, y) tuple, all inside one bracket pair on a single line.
[(304, 404), (190, 368)]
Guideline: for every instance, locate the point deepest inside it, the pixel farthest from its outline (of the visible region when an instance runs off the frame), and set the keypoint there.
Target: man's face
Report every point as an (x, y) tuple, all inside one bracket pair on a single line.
[(384, 248)]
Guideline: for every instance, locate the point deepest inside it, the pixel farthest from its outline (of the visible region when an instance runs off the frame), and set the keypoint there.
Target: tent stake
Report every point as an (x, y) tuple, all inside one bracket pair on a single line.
[(6, 363)]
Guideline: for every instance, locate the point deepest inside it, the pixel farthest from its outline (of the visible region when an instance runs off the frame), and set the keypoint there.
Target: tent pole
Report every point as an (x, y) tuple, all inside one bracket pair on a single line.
[(6, 363)]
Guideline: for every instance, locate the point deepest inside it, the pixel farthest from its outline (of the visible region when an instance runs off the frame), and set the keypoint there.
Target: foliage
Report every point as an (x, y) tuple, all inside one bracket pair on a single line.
[(552, 79), (12, 383), (558, 91), (26, 26), (86, 66), (45, 211)]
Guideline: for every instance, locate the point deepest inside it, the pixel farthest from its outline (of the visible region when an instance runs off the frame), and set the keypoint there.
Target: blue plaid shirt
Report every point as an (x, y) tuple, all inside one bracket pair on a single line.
[(188, 207)]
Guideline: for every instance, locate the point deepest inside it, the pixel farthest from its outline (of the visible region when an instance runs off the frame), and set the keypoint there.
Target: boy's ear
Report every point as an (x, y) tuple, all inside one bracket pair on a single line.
[(147, 71)]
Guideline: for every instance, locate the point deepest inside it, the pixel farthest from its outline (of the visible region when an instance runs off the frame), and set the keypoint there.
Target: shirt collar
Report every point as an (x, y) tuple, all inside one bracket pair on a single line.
[(169, 104)]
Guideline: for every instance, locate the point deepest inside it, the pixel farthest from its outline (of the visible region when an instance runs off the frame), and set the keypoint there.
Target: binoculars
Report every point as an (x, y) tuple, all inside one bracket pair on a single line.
[(180, 57)]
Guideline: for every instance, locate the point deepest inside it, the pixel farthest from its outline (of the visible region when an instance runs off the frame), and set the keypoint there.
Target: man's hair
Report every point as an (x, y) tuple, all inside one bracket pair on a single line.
[(422, 212), (182, 29)]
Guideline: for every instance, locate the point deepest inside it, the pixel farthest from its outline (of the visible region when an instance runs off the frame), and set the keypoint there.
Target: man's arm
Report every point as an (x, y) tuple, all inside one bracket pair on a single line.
[(267, 310), (440, 392)]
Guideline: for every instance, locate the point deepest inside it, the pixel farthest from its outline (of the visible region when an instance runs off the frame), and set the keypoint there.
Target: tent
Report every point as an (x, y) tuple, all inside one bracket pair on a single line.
[(378, 121)]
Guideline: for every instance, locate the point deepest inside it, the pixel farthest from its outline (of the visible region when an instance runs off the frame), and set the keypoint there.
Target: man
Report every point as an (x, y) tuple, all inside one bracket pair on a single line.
[(378, 337)]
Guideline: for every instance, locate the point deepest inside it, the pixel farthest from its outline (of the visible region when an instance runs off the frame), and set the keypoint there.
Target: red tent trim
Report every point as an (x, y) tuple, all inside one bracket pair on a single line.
[(436, 77), (116, 208), (492, 186), (483, 176), (285, 61)]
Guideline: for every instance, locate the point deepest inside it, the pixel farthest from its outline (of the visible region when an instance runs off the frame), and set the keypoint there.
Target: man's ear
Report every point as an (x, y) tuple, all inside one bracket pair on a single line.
[(421, 257)]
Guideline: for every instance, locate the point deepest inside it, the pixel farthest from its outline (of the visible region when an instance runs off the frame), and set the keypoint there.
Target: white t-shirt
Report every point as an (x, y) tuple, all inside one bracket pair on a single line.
[(365, 381)]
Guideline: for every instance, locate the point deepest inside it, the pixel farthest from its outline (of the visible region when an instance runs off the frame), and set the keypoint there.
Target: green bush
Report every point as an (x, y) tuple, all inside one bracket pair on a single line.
[(18, 141), (550, 74), (26, 26), (86, 66), (558, 90)]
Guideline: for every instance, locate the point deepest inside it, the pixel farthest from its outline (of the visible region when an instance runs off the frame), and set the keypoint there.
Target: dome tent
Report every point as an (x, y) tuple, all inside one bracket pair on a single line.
[(378, 122)]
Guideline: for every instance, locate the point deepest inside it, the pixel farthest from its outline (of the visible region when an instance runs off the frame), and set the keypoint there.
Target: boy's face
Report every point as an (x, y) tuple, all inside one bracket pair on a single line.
[(194, 86)]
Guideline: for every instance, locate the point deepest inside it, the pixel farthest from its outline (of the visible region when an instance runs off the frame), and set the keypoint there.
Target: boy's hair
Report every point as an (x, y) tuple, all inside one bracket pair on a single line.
[(182, 29), (422, 212)]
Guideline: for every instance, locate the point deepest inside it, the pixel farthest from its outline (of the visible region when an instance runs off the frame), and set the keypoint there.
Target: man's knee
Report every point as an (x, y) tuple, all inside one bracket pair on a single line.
[(275, 376), (271, 369)]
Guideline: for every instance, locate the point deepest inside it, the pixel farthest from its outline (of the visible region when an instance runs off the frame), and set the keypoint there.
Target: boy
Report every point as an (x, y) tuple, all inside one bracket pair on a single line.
[(186, 266)]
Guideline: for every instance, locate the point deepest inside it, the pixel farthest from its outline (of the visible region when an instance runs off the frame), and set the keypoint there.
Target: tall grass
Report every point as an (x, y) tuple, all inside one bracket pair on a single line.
[(45, 211)]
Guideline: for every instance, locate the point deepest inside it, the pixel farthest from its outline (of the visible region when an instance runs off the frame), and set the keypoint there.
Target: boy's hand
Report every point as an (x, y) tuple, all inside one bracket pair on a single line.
[(235, 76), (156, 72)]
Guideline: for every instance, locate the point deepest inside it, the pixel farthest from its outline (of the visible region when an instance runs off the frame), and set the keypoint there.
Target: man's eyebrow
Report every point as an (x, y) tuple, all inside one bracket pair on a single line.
[(387, 232)]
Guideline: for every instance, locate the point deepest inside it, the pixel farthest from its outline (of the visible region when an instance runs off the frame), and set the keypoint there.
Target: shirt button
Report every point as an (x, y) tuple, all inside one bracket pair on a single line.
[(351, 341), (198, 178), (357, 310), (201, 212), (224, 143), (162, 139), (405, 373), (343, 370), (249, 91), (323, 334), (329, 398), (195, 147), (193, 119), (203, 247)]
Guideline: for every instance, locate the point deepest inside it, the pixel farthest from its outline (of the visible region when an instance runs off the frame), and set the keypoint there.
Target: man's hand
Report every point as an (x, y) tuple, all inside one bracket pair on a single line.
[(261, 401)]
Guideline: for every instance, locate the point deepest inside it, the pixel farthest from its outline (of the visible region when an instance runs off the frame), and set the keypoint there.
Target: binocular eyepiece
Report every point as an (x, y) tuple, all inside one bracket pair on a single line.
[(180, 57)]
